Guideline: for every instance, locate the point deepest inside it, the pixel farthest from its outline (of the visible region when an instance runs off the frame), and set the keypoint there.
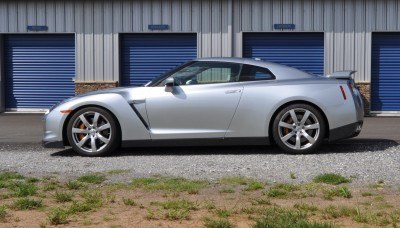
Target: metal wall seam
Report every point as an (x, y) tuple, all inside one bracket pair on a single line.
[(21, 16), (4, 16), (79, 41), (98, 33), (108, 40), (89, 41)]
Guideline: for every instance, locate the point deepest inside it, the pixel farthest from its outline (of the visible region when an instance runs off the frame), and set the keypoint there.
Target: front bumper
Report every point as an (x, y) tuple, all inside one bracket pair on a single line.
[(347, 131)]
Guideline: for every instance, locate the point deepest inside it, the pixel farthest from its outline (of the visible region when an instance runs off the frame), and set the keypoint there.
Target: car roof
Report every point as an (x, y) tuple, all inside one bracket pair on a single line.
[(282, 72)]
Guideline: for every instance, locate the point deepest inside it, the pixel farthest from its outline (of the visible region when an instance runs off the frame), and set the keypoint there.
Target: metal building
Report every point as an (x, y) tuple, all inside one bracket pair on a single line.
[(51, 49)]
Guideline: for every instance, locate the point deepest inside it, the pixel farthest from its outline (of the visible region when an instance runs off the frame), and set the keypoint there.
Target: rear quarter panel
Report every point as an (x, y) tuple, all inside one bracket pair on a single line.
[(260, 100)]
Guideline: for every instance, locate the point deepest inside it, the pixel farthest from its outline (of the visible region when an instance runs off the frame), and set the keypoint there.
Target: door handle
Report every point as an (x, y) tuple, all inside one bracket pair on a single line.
[(233, 91)]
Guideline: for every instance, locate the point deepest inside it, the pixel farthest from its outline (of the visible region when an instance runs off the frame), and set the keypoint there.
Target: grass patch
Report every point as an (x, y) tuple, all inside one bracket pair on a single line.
[(92, 178), (209, 205), (227, 190), (169, 184), (177, 214), (92, 200), (223, 213), (276, 193), (177, 209), (62, 197), (22, 189), (178, 204), (254, 185), (331, 178), (365, 194), (5, 176), (27, 204), (305, 207), (217, 223), (51, 185), (282, 190), (129, 202), (58, 216), (74, 185), (3, 213), (32, 180), (261, 201), (336, 192), (279, 217)]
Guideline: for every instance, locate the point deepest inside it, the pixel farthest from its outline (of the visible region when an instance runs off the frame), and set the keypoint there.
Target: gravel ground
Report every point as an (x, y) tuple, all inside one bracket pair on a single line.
[(367, 161)]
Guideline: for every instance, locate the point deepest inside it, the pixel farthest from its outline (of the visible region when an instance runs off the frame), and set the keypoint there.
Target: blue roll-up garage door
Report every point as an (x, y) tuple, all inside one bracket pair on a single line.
[(301, 50), (38, 70), (385, 80), (146, 56)]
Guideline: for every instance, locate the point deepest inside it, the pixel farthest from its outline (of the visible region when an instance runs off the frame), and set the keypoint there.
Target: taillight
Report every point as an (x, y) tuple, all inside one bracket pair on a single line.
[(343, 92)]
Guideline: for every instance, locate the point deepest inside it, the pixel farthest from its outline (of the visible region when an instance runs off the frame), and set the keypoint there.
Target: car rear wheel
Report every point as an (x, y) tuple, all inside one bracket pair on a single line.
[(299, 128), (93, 132)]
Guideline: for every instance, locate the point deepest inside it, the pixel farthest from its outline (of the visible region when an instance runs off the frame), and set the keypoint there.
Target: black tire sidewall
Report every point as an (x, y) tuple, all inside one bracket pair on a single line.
[(114, 140), (317, 143)]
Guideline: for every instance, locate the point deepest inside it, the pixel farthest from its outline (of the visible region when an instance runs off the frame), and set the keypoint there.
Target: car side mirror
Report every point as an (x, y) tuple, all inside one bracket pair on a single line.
[(169, 84)]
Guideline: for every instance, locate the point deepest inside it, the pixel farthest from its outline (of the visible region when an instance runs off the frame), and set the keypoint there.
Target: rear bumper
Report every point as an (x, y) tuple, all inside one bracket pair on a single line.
[(53, 144), (347, 131)]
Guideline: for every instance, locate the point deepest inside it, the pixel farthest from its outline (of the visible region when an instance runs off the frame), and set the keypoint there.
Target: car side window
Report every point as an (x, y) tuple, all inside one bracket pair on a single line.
[(207, 73), (255, 73)]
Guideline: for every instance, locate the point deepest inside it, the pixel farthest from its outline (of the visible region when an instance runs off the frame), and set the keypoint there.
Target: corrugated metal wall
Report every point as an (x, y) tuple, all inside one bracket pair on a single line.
[(219, 23)]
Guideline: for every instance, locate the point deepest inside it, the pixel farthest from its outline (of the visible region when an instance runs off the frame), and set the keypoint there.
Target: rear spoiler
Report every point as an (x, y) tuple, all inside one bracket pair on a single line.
[(346, 74)]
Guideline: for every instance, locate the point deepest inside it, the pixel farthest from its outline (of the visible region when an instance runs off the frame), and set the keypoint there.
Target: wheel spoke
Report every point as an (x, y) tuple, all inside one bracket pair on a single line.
[(102, 138), (95, 119), (80, 131), (93, 144), (294, 117), (288, 136), (285, 125), (80, 144), (308, 137), (104, 127), (305, 117), (312, 126), (298, 142), (84, 121)]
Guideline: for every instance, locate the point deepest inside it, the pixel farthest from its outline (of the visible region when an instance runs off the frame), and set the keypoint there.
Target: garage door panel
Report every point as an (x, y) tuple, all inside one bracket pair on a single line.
[(301, 50), (146, 56), (385, 80), (39, 70)]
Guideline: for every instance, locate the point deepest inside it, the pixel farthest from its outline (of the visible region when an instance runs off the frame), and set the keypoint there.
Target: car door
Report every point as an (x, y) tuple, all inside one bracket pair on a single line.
[(200, 104)]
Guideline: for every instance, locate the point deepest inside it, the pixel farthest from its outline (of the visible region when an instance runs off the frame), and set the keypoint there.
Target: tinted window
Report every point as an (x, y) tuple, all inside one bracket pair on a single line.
[(207, 73), (255, 73)]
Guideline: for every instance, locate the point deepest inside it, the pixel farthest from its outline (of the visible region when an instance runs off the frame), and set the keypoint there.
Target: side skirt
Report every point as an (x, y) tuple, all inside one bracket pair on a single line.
[(197, 142)]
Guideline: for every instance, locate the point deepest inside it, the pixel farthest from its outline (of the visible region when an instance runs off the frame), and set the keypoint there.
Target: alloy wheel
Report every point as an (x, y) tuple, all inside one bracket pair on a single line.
[(299, 128), (91, 132)]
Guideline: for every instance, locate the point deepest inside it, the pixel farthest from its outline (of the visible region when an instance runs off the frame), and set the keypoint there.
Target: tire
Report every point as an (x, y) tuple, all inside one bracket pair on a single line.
[(299, 129), (93, 132)]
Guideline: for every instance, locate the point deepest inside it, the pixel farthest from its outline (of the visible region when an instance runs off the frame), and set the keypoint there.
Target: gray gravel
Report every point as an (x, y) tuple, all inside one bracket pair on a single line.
[(367, 161)]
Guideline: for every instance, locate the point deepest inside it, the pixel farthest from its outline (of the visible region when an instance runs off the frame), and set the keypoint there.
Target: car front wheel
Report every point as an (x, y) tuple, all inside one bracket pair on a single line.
[(93, 132), (299, 128)]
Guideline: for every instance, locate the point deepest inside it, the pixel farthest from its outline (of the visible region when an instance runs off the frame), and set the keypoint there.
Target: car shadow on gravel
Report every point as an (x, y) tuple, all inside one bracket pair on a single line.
[(344, 146)]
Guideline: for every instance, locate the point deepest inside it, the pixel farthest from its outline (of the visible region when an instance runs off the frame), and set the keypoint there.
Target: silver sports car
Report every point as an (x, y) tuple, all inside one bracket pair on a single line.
[(213, 101)]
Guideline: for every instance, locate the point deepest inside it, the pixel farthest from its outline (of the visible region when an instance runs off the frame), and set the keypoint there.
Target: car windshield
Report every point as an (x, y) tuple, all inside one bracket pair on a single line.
[(156, 80)]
